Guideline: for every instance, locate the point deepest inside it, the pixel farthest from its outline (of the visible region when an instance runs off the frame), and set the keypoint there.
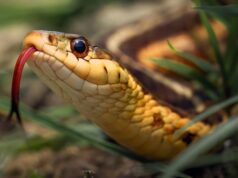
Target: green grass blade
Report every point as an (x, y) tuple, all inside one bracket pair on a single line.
[(187, 72), (233, 81), (231, 54), (232, 45), (9, 144), (60, 140), (229, 16), (201, 63), (35, 174), (51, 123), (55, 143), (59, 111), (216, 48), (155, 168), (158, 167), (201, 146), (75, 133), (231, 155), (211, 110), (212, 38), (226, 10)]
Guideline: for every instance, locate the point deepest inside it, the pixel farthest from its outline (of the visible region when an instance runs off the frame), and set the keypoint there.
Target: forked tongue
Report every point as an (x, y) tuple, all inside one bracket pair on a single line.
[(23, 57)]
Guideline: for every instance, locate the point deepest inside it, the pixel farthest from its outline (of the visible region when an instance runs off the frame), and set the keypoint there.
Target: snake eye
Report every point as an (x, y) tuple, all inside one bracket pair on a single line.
[(79, 47)]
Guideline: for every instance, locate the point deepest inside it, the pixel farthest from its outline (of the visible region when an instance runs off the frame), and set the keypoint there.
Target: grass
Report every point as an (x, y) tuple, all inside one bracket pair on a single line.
[(223, 91), (225, 94), (9, 144)]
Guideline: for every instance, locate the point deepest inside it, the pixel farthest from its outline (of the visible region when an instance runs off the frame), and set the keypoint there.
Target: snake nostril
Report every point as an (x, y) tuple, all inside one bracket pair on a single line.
[(52, 39)]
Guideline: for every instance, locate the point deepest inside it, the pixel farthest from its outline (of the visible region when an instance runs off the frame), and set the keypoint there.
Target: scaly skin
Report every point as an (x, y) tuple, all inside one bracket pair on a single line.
[(107, 94)]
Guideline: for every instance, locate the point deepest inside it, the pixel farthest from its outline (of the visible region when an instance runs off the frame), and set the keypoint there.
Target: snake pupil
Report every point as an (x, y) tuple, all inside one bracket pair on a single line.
[(79, 45)]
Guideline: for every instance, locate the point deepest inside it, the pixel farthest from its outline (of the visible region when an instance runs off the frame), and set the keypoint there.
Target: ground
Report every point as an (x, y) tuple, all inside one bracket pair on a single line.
[(72, 162)]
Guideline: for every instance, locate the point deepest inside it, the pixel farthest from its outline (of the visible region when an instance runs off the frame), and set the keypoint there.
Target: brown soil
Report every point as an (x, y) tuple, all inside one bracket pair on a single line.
[(72, 162)]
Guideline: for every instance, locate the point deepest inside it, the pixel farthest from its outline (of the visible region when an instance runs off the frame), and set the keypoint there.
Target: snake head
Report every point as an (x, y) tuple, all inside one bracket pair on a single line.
[(68, 64), (73, 54), (49, 42)]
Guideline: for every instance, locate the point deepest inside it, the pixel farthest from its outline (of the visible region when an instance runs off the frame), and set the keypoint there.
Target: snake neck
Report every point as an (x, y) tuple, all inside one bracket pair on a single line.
[(127, 102), (126, 113)]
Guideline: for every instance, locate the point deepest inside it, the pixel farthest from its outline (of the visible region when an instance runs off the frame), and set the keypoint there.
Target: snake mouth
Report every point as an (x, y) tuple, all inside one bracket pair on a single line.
[(32, 46), (38, 39), (34, 38)]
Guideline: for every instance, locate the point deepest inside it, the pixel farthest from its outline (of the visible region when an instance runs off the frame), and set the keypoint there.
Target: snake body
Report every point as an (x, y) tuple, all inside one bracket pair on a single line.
[(107, 94)]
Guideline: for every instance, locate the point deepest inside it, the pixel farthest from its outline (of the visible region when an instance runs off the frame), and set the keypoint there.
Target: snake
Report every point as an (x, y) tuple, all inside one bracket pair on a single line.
[(100, 88)]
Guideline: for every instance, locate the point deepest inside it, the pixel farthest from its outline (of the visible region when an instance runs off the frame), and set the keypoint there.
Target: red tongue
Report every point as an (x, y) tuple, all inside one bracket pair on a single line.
[(25, 54)]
